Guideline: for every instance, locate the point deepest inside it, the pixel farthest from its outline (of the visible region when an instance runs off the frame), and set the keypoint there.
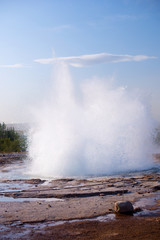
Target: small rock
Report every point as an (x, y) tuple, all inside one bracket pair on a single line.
[(119, 194), (101, 194), (123, 207), (138, 209)]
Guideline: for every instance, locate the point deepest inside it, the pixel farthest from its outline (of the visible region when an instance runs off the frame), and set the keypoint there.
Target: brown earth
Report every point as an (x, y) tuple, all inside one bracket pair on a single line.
[(126, 228)]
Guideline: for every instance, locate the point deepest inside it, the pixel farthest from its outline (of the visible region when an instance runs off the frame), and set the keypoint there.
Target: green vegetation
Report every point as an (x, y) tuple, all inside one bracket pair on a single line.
[(10, 140)]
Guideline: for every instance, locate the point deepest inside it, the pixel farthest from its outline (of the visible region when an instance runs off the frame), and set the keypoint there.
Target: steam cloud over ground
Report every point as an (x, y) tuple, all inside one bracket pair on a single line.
[(92, 129)]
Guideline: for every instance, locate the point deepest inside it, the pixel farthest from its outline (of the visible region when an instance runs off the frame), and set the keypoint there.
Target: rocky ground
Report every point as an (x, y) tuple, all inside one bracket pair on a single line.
[(78, 208), (11, 158)]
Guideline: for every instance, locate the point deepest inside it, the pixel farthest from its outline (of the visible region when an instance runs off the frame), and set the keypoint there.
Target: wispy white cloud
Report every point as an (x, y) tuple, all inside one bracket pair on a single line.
[(88, 60), (12, 66)]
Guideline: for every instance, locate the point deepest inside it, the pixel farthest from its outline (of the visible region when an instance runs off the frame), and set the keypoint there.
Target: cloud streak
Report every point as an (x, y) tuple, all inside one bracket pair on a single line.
[(12, 66), (92, 59)]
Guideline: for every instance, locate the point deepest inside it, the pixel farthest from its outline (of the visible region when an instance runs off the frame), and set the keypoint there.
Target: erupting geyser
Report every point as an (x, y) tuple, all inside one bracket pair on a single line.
[(89, 129)]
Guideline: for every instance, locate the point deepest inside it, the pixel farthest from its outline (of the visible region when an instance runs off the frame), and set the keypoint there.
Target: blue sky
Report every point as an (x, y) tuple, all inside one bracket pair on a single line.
[(36, 29)]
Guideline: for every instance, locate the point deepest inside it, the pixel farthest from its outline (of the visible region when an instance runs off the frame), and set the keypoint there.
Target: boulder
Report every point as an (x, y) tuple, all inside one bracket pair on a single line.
[(123, 207)]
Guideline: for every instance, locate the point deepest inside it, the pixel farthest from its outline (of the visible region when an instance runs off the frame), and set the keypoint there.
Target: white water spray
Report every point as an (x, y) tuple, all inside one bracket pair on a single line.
[(92, 129)]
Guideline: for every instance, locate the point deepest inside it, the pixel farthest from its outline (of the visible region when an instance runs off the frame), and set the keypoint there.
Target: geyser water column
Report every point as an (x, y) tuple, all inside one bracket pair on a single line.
[(93, 129)]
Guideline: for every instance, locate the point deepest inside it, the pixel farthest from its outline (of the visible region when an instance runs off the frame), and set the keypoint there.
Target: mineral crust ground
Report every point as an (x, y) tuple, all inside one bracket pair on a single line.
[(78, 208)]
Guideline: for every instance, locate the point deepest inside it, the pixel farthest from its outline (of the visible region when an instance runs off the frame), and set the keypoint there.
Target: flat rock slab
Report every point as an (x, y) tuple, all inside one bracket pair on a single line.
[(66, 199), (37, 200)]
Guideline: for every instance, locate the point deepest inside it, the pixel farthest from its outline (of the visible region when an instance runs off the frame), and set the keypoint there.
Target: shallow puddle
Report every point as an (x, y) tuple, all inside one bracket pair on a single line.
[(146, 204), (147, 201), (11, 199)]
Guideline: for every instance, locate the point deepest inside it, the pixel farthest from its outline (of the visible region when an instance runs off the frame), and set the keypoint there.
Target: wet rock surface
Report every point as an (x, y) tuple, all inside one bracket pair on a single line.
[(30, 208)]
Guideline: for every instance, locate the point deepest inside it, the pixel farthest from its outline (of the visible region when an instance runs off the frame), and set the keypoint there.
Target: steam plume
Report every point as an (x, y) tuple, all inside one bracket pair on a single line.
[(93, 129)]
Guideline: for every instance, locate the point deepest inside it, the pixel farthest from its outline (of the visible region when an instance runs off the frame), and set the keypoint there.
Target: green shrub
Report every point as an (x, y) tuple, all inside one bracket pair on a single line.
[(10, 140)]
